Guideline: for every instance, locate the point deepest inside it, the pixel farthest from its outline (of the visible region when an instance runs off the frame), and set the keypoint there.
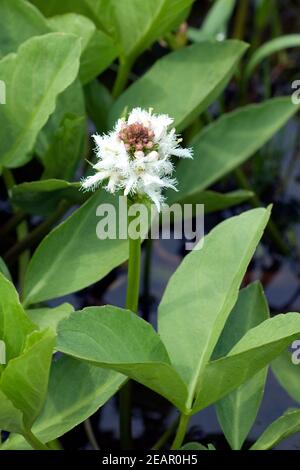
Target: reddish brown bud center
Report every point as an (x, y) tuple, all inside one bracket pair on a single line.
[(137, 137)]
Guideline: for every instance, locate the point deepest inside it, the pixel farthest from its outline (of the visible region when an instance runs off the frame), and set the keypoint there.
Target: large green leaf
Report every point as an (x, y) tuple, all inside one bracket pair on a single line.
[(76, 391), (66, 149), (99, 54), (185, 82), (147, 21), (99, 49), (4, 270), (287, 374), (214, 201), (31, 96), (25, 378), (43, 197), (228, 142), (14, 323), (237, 411), (120, 340), (47, 317), (11, 419), (73, 23), (203, 291), (19, 21), (98, 102), (96, 10), (271, 47), (68, 103), (260, 346), (71, 257), (287, 425)]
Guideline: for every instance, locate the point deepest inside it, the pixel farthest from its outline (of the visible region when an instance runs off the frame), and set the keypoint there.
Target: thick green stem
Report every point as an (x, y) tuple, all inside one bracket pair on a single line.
[(122, 78), (181, 432), (34, 442), (132, 299)]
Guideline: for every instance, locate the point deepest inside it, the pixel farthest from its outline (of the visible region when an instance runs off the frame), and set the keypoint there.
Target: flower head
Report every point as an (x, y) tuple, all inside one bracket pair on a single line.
[(136, 156)]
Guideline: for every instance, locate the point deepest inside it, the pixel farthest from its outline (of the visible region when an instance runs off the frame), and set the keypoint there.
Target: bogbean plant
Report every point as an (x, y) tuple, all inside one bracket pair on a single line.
[(214, 340)]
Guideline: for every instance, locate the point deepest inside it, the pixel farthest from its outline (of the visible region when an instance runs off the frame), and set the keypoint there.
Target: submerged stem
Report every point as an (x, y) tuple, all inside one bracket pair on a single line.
[(181, 432)]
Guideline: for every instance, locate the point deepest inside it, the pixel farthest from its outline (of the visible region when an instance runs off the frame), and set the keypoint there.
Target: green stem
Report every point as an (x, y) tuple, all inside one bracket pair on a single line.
[(166, 435), (90, 434), (22, 229), (36, 234), (134, 269), (122, 78), (181, 432), (241, 19), (272, 228), (132, 299), (34, 442), (12, 223)]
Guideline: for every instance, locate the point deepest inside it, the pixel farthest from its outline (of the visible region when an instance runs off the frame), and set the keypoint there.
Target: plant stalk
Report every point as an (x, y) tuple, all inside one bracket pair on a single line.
[(132, 299), (122, 78), (181, 432), (34, 442)]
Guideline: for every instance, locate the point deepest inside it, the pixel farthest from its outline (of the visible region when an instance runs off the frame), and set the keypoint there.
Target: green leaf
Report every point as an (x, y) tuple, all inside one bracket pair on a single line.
[(14, 323), (31, 96), (269, 48), (4, 270), (202, 69), (285, 426), (120, 340), (192, 314), (25, 378), (42, 197), (216, 21), (217, 201), (11, 419), (66, 149), (76, 391), (147, 21), (98, 103), (237, 411), (68, 103), (50, 317), (99, 54), (19, 21), (228, 142), (287, 374), (73, 23), (71, 257), (253, 352)]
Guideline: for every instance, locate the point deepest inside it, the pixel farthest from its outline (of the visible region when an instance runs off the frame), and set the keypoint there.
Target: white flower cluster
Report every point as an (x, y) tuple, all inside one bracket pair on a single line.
[(136, 156)]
